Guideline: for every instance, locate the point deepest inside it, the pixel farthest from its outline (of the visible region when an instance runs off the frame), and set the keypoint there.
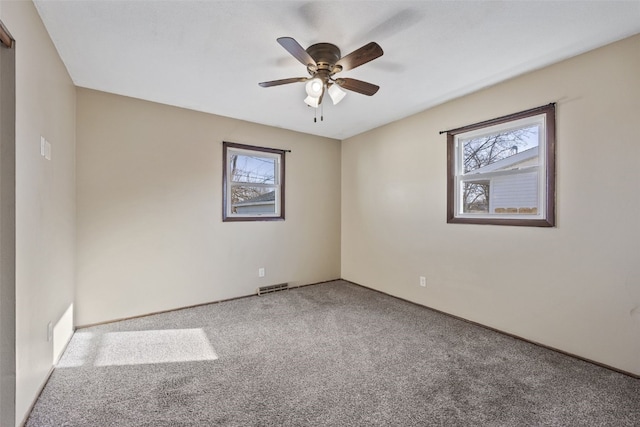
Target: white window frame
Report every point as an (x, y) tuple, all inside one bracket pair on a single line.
[(544, 119), (230, 149)]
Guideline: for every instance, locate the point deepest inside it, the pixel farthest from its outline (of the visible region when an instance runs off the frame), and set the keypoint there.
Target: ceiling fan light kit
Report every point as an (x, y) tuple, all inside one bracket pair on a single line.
[(323, 61)]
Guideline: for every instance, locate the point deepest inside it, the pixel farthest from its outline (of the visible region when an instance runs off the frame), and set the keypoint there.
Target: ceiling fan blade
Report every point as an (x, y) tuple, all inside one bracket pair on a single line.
[(358, 86), (294, 48), (283, 81), (366, 53)]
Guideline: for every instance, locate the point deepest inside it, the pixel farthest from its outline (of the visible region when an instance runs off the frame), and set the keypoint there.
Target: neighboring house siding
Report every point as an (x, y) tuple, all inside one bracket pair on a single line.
[(256, 209), (265, 203), (514, 191)]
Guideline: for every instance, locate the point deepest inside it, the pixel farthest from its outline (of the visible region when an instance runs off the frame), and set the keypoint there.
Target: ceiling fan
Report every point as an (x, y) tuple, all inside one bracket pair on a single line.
[(323, 61)]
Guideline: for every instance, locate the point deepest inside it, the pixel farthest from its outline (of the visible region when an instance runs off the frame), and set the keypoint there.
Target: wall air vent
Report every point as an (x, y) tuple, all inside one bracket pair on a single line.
[(273, 288)]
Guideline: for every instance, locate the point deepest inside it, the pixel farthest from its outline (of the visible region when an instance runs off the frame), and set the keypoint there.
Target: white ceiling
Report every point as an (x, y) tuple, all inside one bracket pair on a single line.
[(210, 55)]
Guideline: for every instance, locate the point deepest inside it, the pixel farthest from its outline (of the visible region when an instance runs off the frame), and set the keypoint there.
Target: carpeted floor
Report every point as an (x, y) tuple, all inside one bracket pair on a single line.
[(333, 354)]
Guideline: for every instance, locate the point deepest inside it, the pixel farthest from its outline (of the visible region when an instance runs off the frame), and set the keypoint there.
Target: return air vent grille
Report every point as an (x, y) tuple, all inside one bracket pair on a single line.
[(273, 288)]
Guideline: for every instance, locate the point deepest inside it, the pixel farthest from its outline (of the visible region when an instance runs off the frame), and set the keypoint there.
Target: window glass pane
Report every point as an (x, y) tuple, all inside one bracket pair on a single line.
[(252, 169), (246, 199), (480, 153), (475, 197)]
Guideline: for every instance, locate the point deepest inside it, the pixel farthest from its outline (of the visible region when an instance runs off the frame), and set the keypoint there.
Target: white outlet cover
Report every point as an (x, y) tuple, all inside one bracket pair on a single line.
[(45, 148)]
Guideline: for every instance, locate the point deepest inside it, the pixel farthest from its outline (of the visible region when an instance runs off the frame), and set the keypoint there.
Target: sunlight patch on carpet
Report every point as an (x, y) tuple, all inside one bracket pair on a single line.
[(159, 346), (79, 353)]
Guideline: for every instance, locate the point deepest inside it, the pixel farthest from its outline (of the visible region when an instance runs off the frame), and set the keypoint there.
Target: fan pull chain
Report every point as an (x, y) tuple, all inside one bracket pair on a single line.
[(315, 114)]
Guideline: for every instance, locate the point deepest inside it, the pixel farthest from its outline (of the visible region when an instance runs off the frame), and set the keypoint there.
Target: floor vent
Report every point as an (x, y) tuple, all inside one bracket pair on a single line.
[(273, 288)]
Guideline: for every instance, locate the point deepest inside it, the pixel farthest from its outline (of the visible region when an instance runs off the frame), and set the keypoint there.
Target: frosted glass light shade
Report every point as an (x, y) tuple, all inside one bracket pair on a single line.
[(312, 101), (314, 87), (336, 93)]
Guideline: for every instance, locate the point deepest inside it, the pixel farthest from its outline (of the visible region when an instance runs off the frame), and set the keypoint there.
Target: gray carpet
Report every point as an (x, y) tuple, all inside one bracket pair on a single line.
[(333, 354)]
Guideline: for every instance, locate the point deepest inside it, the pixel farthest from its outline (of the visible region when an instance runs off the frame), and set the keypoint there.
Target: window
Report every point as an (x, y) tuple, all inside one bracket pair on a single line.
[(502, 171), (253, 183)]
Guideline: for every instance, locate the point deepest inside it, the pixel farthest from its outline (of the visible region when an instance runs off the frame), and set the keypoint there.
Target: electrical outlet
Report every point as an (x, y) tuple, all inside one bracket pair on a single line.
[(45, 148), (261, 272), (49, 331), (423, 281)]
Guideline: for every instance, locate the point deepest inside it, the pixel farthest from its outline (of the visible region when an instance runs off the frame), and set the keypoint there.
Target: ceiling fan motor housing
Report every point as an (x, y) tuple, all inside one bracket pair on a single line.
[(326, 55)]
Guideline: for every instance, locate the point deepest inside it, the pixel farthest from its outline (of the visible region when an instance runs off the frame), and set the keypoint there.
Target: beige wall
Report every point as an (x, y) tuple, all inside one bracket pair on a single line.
[(150, 230), (45, 200), (575, 287)]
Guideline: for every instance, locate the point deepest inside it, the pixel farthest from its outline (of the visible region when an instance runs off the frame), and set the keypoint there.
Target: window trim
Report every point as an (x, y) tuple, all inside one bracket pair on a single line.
[(549, 156), (226, 215)]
